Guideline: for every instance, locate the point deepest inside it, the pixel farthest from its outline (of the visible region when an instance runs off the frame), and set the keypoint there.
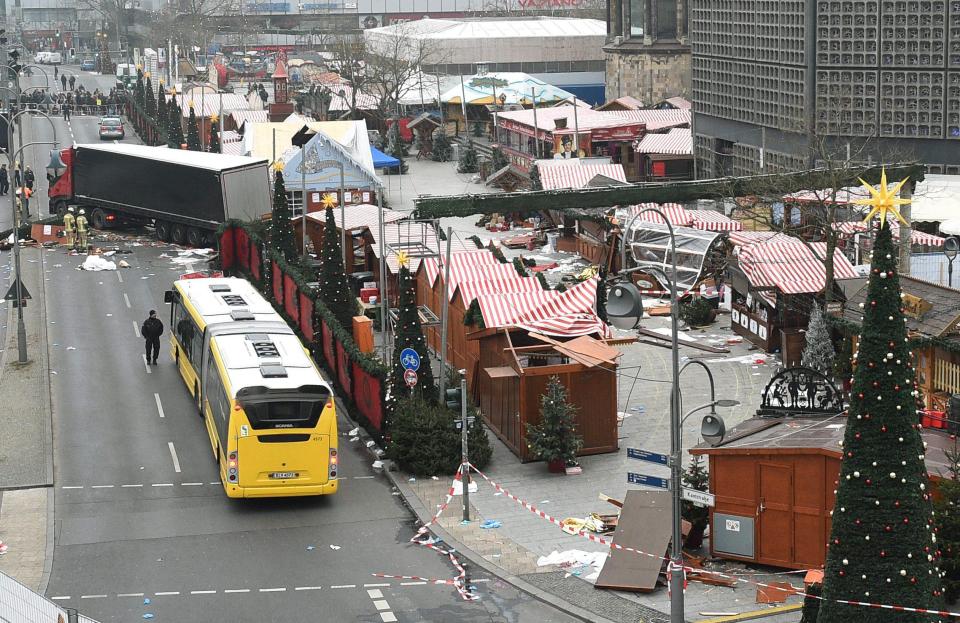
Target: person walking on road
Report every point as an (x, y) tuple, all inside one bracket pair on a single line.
[(29, 178), (81, 232), (63, 81), (66, 110), (151, 331), (17, 181), (73, 81), (56, 72), (4, 180), (70, 228)]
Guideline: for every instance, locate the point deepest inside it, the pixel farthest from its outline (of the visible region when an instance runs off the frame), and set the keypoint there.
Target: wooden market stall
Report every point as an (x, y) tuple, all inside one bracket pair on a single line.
[(774, 475), (514, 367)]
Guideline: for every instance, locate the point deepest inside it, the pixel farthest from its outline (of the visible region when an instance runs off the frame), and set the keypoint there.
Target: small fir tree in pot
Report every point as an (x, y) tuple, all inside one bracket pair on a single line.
[(695, 477), (498, 159), (441, 146), (555, 439), (469, 163)]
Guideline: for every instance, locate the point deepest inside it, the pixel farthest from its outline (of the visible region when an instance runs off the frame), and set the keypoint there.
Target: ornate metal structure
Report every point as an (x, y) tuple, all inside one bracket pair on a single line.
[(800, 391)]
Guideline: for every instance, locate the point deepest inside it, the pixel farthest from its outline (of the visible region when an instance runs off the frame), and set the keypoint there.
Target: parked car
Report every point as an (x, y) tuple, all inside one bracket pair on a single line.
[(111, 128), (87, 64)]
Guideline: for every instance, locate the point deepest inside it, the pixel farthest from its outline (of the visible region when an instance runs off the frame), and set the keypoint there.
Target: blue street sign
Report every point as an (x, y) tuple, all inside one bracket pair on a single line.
[(410, 359), (649, 457), (649, 481)]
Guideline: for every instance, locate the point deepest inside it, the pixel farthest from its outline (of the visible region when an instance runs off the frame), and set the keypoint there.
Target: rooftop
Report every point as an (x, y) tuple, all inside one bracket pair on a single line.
[(494, 28), (941, 319), (588, 119)]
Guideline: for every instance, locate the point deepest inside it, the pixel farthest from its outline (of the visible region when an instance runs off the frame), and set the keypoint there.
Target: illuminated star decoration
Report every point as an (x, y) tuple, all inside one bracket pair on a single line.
[(402, 258), (328, 201), (278, 166), (884, 200), (214, 118)]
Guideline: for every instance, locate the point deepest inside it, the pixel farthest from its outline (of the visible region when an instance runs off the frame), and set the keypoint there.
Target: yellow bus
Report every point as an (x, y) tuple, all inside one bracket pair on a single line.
[(270, 416)]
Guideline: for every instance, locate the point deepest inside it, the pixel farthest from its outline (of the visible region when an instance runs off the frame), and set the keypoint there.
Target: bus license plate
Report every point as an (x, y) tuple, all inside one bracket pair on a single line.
[(283, 475)]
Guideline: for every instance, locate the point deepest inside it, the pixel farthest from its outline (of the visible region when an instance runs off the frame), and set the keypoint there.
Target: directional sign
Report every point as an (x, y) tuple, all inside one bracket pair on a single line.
[(698, 497), (649, 481), (649, 457), (410, 359), (11, 294), (410, 377)]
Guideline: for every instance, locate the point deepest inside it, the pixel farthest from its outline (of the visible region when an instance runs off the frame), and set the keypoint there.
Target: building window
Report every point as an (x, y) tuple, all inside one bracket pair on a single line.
[(638, 18), (295, 201), (666, 19)]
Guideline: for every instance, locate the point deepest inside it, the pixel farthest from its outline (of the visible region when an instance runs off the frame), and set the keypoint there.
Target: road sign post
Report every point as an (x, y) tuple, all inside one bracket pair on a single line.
[(410, 378), (648, 481), (698, 497)]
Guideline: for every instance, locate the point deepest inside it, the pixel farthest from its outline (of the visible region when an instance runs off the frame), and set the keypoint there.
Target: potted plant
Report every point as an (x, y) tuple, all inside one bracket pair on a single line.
[(555, 439), (695, 477), (697, 312)]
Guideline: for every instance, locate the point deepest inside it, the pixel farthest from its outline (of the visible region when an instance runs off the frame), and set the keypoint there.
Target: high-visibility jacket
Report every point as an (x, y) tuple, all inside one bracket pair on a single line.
[(69, 223), (82, 224)]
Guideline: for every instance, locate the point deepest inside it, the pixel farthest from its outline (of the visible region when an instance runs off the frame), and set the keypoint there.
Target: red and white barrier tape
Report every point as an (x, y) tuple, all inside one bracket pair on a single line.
[(413, 577), (598, 539)]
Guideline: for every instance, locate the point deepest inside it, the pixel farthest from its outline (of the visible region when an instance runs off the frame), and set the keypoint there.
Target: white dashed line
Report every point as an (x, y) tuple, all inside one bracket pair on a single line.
[(60, 598), (162, 484), (412, 583), (381, 604), (375, 593), (136, 328), (375, 585), (119, 276), (129, 594), (126, 299), (167, 593), (203, 592), (388, 617), (344, 586), (156, 397), (130, 486), (272, 590), (307, 588), (237, 590), (73, 487), (362, 477), (173, 455), (102, 487), (92, 596), (191, 484), (146, 364)]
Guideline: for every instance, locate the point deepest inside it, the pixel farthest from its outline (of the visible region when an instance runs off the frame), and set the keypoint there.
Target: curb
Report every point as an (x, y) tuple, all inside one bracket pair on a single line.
[(423, 515)]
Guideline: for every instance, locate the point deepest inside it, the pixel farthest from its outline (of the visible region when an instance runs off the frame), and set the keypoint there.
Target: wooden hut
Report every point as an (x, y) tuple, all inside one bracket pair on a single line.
[(774, 476)]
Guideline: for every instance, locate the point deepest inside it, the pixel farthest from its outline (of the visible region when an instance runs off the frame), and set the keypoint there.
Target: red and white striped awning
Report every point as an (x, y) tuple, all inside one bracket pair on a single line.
[(675, 142), (791, 266), (675, 212), (711, 220), (498, 278), (849, 228), (744, 238), (562, 314), (573, 175), (467, 265)]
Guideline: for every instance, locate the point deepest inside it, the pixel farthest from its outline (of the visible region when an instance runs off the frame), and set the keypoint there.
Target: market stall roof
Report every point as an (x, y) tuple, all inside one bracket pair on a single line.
[(707, 220), (791, 266), (692, 245), (563, 314), (939, 315), (466, 264), (514, 86), (627, 102), (359, 216), (849, 228), (342, 103), (274, 140), (743, 238), (208, 104), (382, 160), (711, 220), (588, 119), (574, 173), (675, 142), (253, 116)]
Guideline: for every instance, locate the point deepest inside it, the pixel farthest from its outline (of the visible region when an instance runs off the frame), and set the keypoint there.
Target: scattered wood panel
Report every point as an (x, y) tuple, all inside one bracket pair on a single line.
[(644, 525)]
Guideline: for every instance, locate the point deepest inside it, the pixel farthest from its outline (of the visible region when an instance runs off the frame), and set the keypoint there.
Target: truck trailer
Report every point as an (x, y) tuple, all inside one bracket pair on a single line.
[(185, 195)]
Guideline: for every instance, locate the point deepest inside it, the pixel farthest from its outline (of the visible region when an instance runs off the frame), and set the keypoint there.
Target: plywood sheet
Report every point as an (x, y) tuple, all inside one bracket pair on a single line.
[(644, 525)]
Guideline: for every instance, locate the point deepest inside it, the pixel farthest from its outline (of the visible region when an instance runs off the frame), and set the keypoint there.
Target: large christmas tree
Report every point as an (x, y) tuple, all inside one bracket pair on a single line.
[(282, 238), (193, 132), (174, 129), (150, 100), (409, 334), (882, 546), (334, 287), (138, 93), (213, 142)]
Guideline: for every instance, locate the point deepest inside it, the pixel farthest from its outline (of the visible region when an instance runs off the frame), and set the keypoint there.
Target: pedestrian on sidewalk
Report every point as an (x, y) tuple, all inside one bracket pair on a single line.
[(66, 110), (56, 72), (4, 180), (151, 331)]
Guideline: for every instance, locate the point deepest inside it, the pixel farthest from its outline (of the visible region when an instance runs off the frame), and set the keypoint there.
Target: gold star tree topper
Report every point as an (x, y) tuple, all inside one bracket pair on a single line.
[(328, 201), (402, 258), (278, 166), (884, 200)]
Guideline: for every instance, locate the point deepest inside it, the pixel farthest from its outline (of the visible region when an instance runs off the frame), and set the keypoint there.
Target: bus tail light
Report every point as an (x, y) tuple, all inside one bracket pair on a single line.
[(334, 460), (233, 464)]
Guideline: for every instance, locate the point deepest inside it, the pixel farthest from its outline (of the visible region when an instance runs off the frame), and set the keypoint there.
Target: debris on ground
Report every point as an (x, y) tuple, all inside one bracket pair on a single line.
[(96, 263)]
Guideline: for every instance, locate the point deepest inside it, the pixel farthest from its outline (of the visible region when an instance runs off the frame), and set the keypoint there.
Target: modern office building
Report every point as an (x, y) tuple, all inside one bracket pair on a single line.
[(772, 77)]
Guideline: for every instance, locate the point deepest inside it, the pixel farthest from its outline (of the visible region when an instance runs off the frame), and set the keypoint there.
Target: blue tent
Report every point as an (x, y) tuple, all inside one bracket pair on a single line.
[(382, 160)]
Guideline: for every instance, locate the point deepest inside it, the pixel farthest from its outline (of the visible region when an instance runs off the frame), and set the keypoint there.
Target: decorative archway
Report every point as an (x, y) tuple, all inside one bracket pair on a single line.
[(800, 391)]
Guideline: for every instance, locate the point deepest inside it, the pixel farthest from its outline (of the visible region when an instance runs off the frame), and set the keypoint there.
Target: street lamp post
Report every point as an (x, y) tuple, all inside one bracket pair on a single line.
[(950, 248)]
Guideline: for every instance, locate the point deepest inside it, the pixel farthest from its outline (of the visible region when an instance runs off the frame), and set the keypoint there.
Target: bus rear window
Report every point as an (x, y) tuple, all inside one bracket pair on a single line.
[(284, 413)]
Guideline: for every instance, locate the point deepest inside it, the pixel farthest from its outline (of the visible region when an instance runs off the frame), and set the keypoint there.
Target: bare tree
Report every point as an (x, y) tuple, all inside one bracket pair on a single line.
[(350, 60), (394, 64)]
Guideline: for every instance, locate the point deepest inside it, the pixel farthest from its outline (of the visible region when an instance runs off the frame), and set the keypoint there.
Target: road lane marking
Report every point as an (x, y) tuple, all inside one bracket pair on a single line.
[(191, 484), (381, 604), (272, 590), (156, 397), (173, 455), (129, 594), (237, 590), (162, 484), (307, 588), (126, 299), (73, 487), (375, 593), (203, 592), (146, 364), (60, 598), (119, 276), (126, 486), (92, 596), (136, 329), (363, 477), (344, 586), (388, 617), (167, 593), (375, 585), (412, 583), (102, 487)]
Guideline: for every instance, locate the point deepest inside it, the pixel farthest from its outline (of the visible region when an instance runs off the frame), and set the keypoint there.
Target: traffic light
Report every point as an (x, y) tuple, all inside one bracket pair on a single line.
[(454, 399)]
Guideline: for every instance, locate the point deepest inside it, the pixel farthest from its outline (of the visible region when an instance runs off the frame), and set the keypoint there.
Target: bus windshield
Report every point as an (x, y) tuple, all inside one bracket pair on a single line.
[(284, 413)]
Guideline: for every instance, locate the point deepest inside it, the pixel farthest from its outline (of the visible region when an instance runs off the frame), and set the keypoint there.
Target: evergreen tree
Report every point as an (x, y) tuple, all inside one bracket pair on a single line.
[(555, 438), (161, 118), (193, 132), (695, 477), (213, 142), (409, 334), (498, 159), (535, 183), (174, 129), (602, 295), (882, 548), (947, 507), (469, 163), (334, 287), (811, 605), (282, 239), (477, 129), (138, 94), (818, 353), (394, 145), (150, 102), (441, 146)]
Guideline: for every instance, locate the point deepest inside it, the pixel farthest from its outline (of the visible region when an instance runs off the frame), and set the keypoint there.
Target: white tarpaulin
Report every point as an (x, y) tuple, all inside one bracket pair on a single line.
[(936, 198)]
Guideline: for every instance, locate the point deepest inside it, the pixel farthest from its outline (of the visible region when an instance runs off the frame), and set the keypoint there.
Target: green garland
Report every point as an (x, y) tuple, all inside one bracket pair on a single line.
[(849, 327)]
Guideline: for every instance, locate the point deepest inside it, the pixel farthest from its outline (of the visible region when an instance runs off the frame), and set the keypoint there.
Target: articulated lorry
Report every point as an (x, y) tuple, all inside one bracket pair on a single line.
[(185, 195)]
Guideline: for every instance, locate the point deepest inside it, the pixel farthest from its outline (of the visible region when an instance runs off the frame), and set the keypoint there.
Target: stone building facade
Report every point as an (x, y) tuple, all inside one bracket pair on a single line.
[(647, 51)]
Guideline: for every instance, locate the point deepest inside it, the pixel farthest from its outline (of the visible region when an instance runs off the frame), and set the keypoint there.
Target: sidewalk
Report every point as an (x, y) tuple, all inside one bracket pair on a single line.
[(26, 445), (512, 550)]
